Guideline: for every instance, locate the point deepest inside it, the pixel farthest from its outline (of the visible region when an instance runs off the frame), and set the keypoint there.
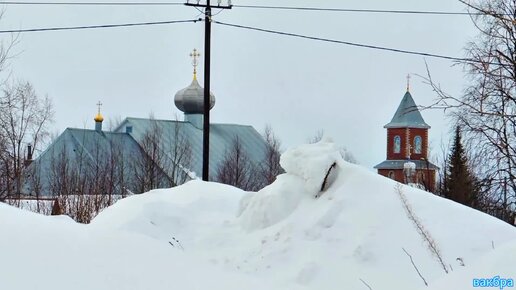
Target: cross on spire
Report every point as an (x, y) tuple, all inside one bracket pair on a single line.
[(408, 82), (99, 104), (195, 61)]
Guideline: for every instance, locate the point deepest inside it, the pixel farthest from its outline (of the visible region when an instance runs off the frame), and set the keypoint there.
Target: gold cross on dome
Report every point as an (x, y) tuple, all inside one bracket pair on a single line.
[(195, 61), (99, 104), (408, 82)]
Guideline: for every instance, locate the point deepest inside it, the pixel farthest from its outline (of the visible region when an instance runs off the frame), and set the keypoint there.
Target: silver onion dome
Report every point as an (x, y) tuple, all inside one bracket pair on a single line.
[(190, 100)]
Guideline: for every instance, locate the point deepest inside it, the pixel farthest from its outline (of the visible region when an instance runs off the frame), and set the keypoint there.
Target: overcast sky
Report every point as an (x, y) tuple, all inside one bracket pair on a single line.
[(298, 86)]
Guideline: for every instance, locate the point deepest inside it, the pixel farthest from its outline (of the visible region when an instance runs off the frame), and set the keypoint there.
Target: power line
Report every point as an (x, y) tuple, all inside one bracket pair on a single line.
[(92, 3), (345, 42), (242, 27), (350, 10), (354, 10), (98, 26)]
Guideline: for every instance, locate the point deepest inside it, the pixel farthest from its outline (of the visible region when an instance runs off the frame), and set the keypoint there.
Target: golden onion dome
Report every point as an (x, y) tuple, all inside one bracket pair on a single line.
[(98, 117)]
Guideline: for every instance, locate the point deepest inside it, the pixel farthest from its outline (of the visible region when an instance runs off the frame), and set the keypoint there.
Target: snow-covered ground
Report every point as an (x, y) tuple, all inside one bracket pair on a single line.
[(359, 233)]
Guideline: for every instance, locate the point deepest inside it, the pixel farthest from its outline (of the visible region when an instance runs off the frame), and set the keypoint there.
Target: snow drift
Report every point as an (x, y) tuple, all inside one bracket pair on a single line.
[(212, 236), (306, 169)]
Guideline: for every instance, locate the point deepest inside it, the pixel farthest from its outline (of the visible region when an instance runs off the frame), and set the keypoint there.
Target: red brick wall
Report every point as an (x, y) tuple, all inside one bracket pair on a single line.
[(424, 136), (402, 132), (407, 135), (424, 177), (398, 174), (407, 138)]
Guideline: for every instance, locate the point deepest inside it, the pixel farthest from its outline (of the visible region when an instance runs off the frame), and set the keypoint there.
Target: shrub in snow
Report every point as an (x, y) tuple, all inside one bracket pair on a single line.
[(423, 232)]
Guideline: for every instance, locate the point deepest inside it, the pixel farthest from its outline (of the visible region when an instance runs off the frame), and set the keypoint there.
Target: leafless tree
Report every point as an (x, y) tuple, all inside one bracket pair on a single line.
[(68, 183), (119, 170), (486, 112), (166, 158), (5, 171), (113, 123), (270, 167), (33, 180), (442, 161), (101, 174), (237, 169), (344, 152), (180, 155), (316, 138), (24, 119), (84, 182), (60, 179), (87, 178), (7, 183), (148, 167)]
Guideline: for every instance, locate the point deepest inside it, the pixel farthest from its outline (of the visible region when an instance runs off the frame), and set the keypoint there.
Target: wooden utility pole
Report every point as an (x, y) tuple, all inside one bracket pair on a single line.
[(207, 60)]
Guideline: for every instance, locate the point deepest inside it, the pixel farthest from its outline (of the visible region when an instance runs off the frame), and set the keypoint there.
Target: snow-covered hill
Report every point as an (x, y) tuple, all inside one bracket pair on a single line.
[(360, 231)]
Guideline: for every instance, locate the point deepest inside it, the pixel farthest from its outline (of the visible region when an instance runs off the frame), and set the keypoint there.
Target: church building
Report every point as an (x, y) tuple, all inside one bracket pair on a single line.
[(407, 147), (141, 153)]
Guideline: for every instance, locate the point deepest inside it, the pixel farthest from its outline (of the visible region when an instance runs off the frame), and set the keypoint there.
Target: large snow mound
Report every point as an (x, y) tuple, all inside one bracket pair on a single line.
[(54, 253), (356, 233)]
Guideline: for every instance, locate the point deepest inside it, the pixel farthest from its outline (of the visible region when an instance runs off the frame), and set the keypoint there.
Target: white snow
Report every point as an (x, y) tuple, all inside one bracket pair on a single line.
[(497, 262), (409, 165), (212, 236), (310, 163), (43, 206), (40, 252)]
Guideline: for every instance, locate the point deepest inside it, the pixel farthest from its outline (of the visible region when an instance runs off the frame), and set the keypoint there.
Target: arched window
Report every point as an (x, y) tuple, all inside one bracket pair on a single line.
[(418, 145), (397, 144), (391, 174)]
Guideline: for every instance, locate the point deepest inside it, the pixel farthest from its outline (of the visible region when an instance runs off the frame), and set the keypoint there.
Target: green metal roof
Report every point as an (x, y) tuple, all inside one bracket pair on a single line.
[(79, 148), (407, 115), (221, 140), (91, 145)]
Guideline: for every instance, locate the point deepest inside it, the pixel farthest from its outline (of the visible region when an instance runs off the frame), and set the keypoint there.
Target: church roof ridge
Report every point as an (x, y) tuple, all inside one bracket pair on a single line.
[(149, 119), (86, 129), (407, 115), (72, 129), (230, 124), (185, 122)]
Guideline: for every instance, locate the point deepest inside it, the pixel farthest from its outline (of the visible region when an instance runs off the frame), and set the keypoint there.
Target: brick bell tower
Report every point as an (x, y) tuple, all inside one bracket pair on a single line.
[(407, 147)]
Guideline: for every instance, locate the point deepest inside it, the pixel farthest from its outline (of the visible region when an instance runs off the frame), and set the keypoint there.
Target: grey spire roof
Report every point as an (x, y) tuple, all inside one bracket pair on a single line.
[(407, 115), (190, 100)]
